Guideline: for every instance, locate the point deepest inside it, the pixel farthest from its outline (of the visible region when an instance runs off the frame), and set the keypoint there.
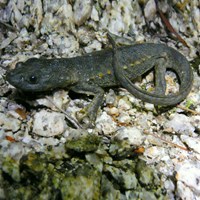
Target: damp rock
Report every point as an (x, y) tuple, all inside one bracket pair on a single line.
[(81, 141), (11, 168), (95, 161), (109, 190), (143, 195), (126, 179), (83, 182), (145, 173), (49, 124)]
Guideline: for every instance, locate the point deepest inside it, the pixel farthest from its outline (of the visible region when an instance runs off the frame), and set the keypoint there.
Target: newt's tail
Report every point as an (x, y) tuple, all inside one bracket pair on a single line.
[(183, 71)]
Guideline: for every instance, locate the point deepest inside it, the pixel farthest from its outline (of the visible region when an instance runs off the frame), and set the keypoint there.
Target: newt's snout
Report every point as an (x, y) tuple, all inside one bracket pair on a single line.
[(9, 77), (14, 79)]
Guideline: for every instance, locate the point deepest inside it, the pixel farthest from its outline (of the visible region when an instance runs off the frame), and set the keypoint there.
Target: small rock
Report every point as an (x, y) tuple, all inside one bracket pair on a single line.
[(124, 104), (59, 99), (11, 168), (132, 134), (93, 46), (49, 124), (94, 160), (196, 17), (112, 111), (110, 97), (196, 122), (82, 182), (150, 10), (193, 143), (9, 123), (105, 124), (3, 85), (81, 141), (149, 106), (185, 192), (126, 179), (124, 142), (155, 153), (8, 40), (124, 118), (82, 11), (189, 175), (94, 14), (180, 124), (145, 173)]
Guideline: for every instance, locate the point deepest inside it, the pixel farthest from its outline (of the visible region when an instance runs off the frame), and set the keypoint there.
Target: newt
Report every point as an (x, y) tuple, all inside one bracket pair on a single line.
[(91, 73)]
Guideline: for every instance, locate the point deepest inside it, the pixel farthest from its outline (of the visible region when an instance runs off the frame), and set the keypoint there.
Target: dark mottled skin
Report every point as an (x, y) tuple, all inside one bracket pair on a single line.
[(90, 73)]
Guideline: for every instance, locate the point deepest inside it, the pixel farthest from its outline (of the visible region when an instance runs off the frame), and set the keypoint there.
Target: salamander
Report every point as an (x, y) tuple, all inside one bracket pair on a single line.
[(91, 73)]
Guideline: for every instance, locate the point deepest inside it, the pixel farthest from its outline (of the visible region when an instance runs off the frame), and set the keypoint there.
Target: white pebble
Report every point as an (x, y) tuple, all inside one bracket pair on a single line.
[(150, 9), (49, 123), (180, 124), (133, 134), (193, 143), (124, 118), (189, 175), (106, 124), (9, 123), (124, 104), (82, 11)]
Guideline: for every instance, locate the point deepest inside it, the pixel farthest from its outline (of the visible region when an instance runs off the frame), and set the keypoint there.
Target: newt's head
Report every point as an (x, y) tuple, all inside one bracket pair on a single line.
[(38, 75)]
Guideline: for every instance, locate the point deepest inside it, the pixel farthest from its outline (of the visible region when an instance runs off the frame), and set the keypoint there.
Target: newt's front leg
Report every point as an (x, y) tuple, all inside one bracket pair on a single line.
[(90, 111)]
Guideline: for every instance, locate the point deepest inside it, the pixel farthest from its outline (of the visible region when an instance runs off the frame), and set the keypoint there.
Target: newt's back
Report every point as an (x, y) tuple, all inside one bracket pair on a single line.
[(36, 75)]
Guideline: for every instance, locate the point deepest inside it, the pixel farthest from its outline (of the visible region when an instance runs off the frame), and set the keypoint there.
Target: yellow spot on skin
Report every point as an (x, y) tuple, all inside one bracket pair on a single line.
[(108, 72), (125, 67), (100, 75), (137, 62)]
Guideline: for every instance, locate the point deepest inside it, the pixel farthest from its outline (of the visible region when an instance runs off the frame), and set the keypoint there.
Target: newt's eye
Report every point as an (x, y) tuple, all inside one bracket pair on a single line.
[(33, 79)]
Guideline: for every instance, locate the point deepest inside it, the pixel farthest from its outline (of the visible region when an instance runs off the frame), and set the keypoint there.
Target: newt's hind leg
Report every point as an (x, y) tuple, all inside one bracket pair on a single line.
[(90, 111), (160, 82)]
